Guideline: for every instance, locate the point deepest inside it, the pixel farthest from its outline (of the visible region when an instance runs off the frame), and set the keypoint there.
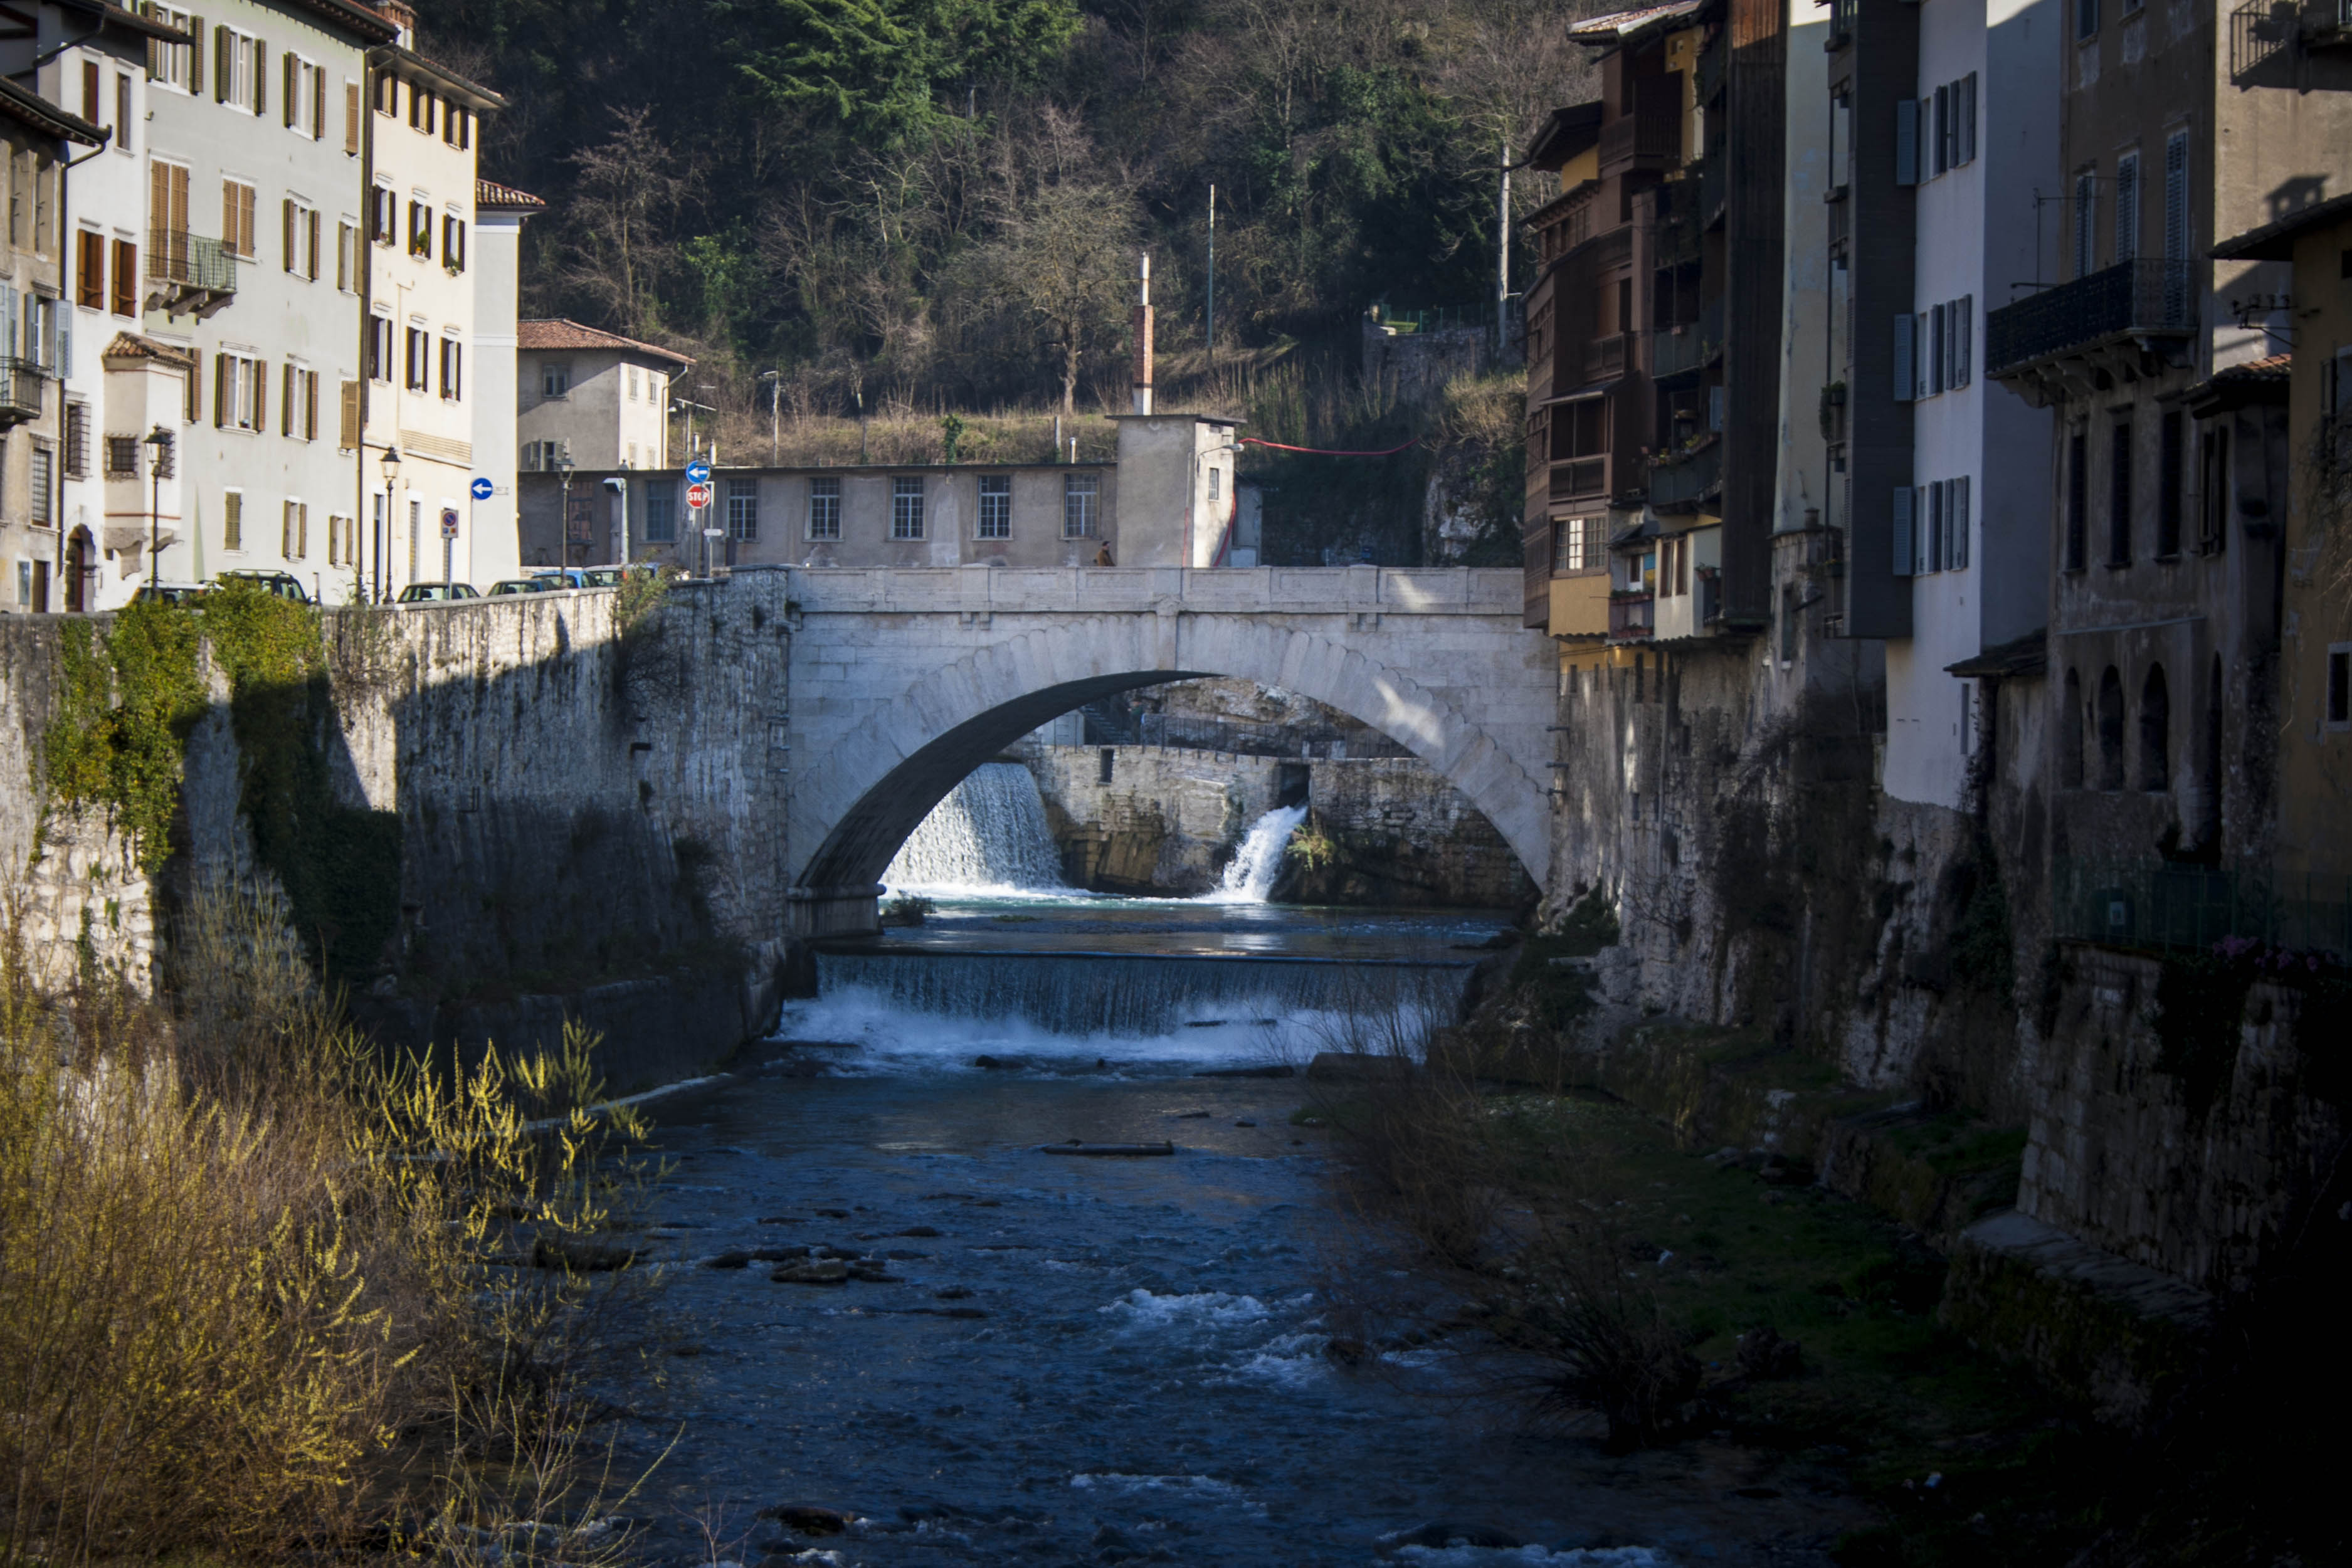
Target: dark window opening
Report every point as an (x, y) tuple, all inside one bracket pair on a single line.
[(1109, 760), (2111, 730), (2078, 500), (2155, 732), (2070, 742), (2169, 482), (1292, 783), (2119, 495)]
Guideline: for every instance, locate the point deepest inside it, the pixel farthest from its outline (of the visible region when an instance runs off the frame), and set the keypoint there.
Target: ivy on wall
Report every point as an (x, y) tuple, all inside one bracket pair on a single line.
[(126, 702)]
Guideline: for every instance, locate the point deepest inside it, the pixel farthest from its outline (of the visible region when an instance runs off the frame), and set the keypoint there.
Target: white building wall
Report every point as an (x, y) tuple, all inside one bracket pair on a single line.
[(497, 544), (1975, 239)]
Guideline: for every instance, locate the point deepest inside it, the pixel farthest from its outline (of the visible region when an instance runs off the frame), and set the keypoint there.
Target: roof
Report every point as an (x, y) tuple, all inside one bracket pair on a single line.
[(561, 333), (2020, 658), (1566, 134), (449, 83), (1623, 27), (131, 346), (113, 15), (369, 24), (490, 193), (2275, 241), (31, 108), (2242, 385)]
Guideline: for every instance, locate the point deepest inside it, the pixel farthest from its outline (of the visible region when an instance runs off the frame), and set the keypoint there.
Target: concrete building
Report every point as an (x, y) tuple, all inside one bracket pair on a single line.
[(257, 133), (499, 213), (1982, 145), (415, 402), (2313, 855), (92, 59), (593, 397), (50, 573), (2165, 374)]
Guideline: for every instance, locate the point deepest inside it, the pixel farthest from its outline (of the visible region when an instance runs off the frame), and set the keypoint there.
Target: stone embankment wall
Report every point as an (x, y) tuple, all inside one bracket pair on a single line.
[(590, 820), (1169, 820)]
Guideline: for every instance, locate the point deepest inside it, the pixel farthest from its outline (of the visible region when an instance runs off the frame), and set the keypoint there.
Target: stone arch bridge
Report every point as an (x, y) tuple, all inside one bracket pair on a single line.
[(903, 681)]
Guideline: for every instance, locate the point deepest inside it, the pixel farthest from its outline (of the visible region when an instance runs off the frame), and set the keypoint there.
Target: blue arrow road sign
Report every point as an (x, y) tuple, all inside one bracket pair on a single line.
[(482, 489), (697, 472)]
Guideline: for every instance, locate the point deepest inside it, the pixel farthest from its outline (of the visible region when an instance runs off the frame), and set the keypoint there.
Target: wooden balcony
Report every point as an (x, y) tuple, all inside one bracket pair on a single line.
[(1649, 141), (1606, 359), (1633, 617), (1579, 480)]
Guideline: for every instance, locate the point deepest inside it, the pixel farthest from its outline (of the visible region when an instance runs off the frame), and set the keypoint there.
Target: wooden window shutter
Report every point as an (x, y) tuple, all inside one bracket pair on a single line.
[(90, 261), (310, 222), (223, 69), (292, 93), (196, 82), (1968, 118), (1904, 504), (89, 89), (159, 196), (350, 117), (257, 375), (1906, 380), (319, 103), (286, 230), (349, 439), (1907, 141), (1960, 522), (286, 401), (260, 78), (311, 406), (220, 391), (126, 277)]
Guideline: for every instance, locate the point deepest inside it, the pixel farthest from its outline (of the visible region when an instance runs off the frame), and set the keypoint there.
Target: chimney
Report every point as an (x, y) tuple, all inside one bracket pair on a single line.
[(1143, 340), (403, 16)]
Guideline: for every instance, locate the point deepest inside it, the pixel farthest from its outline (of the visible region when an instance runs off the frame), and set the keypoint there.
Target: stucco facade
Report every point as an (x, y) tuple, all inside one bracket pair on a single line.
[(595, 397), (49, 573)]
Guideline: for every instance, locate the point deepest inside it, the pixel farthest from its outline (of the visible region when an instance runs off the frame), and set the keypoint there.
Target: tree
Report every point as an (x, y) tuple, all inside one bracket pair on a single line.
[(1066, 262), (621, 222)]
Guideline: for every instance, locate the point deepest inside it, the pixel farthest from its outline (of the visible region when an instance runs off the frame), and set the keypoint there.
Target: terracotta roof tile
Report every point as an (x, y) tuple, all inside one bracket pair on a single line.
[(490, 193), (2270, 368), (1616, 25), (560, 333)]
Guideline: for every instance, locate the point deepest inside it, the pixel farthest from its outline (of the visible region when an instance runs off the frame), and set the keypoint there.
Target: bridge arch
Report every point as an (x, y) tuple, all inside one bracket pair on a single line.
[(888, 764)]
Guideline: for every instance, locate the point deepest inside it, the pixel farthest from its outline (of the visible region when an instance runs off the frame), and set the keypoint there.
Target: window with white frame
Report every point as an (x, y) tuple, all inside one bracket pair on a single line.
[(298, 236), (420, 227), (302, 89), (452, 242), (996, 506), (379, 348), (294, 531), (1081, 494), (907, 506), (298, 411), (239, 77), (347, 256), (240, 393), (417, 362), (453, 370), (172, 64), (742, 509), (824, 508)]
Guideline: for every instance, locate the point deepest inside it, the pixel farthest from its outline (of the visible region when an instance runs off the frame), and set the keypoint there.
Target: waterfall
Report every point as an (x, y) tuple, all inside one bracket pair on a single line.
[(987, 837), (1250, 876)]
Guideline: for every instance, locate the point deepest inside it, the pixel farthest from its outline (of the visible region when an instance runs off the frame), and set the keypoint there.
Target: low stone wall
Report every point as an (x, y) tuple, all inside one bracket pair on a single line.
[(1166, 822)]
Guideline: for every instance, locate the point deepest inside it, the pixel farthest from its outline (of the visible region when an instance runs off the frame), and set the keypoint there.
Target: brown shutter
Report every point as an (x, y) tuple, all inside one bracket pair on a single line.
[(224, 71), (293, 89), (260, 394), (311, 245), (350, 440), (260, 78), (220, 391), (196, 82), (126, 279), (89, 88), (286, 230), (350, 114), (319, 104), (311, 406)]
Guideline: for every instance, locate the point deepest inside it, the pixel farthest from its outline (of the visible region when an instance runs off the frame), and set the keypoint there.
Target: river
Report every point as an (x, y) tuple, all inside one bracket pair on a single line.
[(1063, 1360)]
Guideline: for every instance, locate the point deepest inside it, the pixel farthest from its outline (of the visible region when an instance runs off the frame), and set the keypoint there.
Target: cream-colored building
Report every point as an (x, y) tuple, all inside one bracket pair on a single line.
[(499, 213), (415, 399), (595, 397)]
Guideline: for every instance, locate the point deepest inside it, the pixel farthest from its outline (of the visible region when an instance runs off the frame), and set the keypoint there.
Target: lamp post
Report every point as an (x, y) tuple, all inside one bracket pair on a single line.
[(775, 380), (390, 493), (158, 443), (620, 488), (563, 524)]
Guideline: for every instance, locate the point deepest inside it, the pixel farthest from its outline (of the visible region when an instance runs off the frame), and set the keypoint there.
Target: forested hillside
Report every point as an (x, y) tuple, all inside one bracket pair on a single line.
[(910, 206)]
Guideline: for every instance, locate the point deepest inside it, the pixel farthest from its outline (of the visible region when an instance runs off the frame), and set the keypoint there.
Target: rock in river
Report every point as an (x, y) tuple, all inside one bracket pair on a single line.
[(816, 1272)]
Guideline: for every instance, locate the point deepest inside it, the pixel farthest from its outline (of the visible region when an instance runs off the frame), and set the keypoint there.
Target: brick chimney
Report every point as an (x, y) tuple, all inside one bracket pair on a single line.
[(401, 14), (1143, 339)]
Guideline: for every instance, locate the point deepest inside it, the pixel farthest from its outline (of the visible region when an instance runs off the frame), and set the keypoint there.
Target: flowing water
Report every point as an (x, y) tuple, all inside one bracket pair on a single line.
[(988, 836), (1058, 1359)]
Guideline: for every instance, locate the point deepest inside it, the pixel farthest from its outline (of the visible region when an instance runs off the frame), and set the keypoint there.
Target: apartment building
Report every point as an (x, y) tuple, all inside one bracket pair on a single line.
[(593, 397), (1949, 485), (256, 132), (500, 213), (415, 401), (1654, 332), (2167, 376), (50, 569)]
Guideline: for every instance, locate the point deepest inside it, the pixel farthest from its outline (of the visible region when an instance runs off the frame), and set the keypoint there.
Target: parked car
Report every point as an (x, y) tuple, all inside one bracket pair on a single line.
[(172, 592), (520, 585), (612, 576), (286, 585), (435, 592), (559, 577)]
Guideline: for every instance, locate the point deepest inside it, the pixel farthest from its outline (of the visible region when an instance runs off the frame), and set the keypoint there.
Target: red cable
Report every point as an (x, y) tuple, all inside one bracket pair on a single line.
[(1325, 452)]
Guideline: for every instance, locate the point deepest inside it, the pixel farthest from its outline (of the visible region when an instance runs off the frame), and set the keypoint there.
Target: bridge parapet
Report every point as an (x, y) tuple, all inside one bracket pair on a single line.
[(1089, 591)]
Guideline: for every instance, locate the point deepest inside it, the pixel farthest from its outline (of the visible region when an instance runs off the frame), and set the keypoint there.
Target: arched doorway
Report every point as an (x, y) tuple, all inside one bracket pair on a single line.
[(81, 571)]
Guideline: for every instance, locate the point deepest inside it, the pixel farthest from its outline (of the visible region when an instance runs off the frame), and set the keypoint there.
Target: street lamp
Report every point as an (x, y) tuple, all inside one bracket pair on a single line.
[(775, 380), (620, 488), (384, 534), (563, 524), (158, 443)]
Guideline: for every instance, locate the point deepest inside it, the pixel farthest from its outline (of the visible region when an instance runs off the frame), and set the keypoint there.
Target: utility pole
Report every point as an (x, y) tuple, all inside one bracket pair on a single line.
[(775, 380), (1212, 275), (1503, 253)]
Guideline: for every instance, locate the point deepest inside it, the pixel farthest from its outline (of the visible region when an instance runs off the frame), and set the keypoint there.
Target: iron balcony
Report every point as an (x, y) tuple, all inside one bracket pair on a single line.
[(2139, 305)]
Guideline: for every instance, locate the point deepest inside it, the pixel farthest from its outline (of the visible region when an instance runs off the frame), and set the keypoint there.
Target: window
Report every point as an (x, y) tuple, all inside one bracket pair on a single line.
[(1938, 341), (907, 506), (240, 70), (453, 370), (1080, 495), (2172, 452), (2110, 719), (2176, 196), (2086, 19), (299, 409), (77, 439), (1577, 546), (996, 506), (2155, 732), (422, 106), (555, 378), (452, 242), (126, 279), (237, 219), (825, 510), (2127, 207), (91, 77), (379, 348), (172, 64), (2340, 685), (632, 383), (387, 93), (347, 256), (420, 229), (742, 509), (1947, 124), (458, 126), (1964, 110), (1963, 313), (167, 214), (417, 362), (90, 270), (2119, 494), (233, 520), (661, 511), (240, 400), (304, 86), (2070, 735), (383, 214), (299, 232), (123, 117), (122, 457), (294, 531), (2078, 500), (1957, 523), (2086, 217), (2213, 493)]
